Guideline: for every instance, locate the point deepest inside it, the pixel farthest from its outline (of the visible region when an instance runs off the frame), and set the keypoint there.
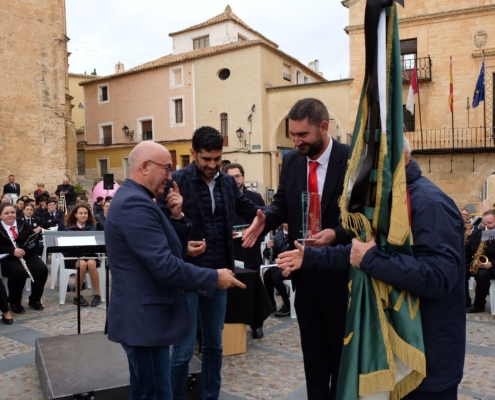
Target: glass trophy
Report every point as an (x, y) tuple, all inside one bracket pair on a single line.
[(311, 215)]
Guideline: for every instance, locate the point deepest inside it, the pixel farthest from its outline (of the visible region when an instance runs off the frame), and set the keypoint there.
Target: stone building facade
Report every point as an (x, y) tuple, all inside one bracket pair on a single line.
[(37, 140), (432, 32)]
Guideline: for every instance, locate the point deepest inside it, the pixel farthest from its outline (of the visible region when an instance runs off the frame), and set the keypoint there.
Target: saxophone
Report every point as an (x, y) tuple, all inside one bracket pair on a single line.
[(479, 257)]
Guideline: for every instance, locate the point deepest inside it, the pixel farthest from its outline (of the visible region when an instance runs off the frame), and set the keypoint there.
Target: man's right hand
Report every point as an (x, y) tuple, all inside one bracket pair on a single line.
[(196, 247), (251, 234), (226, 279)]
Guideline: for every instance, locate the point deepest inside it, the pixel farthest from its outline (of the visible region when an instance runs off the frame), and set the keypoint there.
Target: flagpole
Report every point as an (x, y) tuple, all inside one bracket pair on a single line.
[(452, 100), (419, 101), (484, 101)]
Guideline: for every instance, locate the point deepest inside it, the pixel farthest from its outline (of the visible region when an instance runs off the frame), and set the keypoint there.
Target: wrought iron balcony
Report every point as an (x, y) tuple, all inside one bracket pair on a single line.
[(448, 140), (423, 69), (287, 77), (106, 141)]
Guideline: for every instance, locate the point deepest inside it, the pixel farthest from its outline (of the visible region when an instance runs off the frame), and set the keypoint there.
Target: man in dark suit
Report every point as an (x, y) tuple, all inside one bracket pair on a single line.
[(148, 309), (320, 297), (52, 217), (67, 190), (211, 201), (251, 257), (12, 187)]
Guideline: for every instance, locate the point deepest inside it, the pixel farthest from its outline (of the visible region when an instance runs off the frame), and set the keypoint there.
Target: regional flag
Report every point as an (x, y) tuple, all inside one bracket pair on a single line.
[(413, 89), (383, 354), (451, 96), (479, 92)]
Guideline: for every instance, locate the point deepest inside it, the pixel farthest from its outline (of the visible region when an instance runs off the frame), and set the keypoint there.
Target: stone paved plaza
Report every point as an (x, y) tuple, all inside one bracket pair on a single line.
[(272, 367)]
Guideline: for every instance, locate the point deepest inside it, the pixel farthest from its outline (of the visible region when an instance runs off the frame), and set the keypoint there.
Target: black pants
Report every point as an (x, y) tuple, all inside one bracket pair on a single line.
[(449, 394), (321, 310), (273, 278), (17, 275), (4, 304), (482, 278)]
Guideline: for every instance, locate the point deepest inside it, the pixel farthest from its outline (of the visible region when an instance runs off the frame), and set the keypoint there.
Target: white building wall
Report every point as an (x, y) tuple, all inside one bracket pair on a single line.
[(223, 33)]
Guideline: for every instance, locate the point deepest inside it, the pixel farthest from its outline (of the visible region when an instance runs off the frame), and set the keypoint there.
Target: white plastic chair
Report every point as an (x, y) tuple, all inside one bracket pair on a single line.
[(492, 296), (287, 283), (65, 274)]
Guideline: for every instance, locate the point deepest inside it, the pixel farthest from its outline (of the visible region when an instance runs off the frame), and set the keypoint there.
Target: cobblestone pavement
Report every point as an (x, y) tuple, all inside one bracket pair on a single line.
[(272, 368)]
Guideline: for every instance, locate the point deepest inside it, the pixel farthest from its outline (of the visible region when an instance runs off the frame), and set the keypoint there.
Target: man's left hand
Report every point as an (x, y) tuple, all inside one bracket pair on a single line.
[(174, 201), (359, 250)]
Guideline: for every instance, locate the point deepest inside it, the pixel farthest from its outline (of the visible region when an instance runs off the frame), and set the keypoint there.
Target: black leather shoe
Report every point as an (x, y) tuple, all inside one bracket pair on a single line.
[(84, 302), (473, 309), (36, 305), (283, 312), (7, 321), (258, 333), (17, 308), (96, 300)]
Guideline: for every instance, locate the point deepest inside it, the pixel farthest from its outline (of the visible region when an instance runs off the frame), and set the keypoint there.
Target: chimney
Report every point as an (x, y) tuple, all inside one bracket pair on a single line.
[(317, 65), (119, 67)]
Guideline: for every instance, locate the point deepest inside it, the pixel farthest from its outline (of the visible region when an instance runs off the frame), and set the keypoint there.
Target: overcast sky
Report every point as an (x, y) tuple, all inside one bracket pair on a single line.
[(102, 32)]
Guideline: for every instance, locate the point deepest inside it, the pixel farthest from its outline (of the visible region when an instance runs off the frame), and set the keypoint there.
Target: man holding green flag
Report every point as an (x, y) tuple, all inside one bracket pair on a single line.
[(405, 312)]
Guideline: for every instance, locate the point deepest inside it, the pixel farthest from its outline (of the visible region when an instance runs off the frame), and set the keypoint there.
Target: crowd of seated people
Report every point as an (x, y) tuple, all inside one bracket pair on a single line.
[(31, 215)]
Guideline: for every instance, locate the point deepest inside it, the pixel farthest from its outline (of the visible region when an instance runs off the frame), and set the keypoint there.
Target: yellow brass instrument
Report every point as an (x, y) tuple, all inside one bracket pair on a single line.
[(479, 257)]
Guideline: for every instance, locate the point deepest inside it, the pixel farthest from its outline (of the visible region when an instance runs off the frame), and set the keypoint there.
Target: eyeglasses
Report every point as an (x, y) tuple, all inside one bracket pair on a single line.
[(236, 177), (167, 168)]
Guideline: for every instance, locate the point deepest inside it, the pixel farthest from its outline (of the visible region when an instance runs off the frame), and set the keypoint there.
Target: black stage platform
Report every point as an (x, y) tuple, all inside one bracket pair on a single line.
[(69, 367)]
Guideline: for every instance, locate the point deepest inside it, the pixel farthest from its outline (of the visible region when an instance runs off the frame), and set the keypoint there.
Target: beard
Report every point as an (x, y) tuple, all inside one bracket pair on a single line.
[(311, 149)]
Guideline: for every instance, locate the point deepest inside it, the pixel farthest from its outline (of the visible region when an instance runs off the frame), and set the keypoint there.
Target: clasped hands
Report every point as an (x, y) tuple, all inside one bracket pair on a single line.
[(292, 260)]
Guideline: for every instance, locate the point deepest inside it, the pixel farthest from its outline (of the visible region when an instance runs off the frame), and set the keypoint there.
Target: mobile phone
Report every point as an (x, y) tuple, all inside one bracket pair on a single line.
[(306, 240)]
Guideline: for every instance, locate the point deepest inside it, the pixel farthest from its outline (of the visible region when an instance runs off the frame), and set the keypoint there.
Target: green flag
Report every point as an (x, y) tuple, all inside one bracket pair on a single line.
[(383, 345)]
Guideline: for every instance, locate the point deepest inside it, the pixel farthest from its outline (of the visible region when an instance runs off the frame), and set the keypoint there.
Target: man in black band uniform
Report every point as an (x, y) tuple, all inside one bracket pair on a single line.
[(67, 190), (12, 187)]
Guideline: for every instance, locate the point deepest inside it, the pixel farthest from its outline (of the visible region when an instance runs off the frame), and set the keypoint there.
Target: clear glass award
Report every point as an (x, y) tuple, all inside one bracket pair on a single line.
[(311, 215)]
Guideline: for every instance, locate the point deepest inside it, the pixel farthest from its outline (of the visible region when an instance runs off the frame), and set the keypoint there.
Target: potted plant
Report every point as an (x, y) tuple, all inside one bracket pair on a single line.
[(79, 189)]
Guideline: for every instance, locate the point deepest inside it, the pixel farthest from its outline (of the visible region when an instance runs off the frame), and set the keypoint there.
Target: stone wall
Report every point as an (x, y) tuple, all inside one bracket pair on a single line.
[(38, 137)]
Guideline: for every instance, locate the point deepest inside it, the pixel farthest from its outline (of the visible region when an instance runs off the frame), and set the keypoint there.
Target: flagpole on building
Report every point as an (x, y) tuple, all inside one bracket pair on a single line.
[(419, 101), (484, 102), (452, 99)]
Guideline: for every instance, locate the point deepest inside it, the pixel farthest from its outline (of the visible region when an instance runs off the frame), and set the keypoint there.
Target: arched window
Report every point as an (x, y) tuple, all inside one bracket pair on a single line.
[(224, 128)]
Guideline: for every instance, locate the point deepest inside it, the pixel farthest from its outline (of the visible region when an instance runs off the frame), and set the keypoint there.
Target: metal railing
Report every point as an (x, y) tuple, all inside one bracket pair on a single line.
[(287, 77), (423, 69), (452, 140), (106, 141), (446, 140)]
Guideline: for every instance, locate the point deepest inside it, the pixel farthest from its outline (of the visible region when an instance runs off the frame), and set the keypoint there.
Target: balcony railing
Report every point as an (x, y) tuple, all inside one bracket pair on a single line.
[(423, 69), (106, 141), (448, 140), (287, 77), (452, 140)]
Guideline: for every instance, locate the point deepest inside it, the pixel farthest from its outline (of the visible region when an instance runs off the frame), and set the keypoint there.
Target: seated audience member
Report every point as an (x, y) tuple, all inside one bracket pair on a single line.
[(98, 205), (19, 205), (108, 198), (80, 218), (14, 230), (53, 217), (4, 306), (41, 210), (5, 199), (475, 248), (273, 277), (34, 222), (102, 217), (25, 198), (41, 192), (83, 199)]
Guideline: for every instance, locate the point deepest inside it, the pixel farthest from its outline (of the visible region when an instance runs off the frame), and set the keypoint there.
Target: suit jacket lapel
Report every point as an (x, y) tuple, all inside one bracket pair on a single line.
[(301, 175), (335, 164)]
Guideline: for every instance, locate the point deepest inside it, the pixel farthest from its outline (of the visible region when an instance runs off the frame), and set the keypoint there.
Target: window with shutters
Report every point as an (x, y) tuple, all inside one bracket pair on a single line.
[(106, 133), (147, 129), (408, 51), (103, 164), (103, 94), (185, 161), (287, 76), (177, 111), (224, 128), (201, 42), (173, 153)]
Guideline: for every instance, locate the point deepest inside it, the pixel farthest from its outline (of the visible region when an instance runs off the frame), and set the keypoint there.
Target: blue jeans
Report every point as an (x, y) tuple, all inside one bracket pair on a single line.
[(212, 316), (149, 368)]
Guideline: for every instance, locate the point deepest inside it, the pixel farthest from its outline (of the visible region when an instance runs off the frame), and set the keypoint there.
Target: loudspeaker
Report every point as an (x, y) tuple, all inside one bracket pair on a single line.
[(108, 181)]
